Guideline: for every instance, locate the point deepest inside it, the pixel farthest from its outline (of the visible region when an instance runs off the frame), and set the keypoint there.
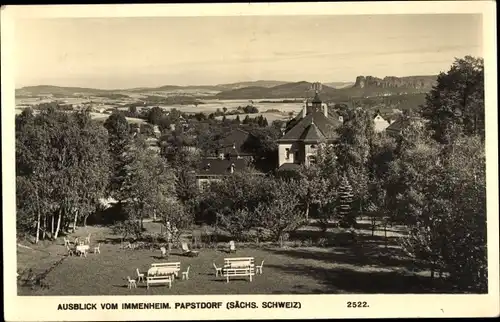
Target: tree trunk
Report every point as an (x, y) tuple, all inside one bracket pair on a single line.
[(85, 219), (307, 211), (58, 224), (37, 239), (74, 221), (373, 227), (44, 227), (52, 227)]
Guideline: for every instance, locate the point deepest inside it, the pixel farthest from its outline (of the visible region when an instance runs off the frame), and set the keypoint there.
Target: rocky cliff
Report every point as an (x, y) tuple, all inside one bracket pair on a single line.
[(410, 82)]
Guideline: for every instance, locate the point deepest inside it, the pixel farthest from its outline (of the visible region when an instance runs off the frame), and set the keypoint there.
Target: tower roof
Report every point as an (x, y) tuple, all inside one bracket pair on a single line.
[(316, 98), (313, 127)]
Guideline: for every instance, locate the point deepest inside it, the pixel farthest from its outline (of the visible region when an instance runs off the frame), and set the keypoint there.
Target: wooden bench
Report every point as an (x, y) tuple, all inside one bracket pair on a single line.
[(175, 266), (241, 266), (166, 279)]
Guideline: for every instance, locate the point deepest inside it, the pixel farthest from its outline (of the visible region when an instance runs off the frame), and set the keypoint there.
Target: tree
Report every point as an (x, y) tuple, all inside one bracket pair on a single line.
[(347, 218), (355, 140), (61, 169), (147, 129), (236, 222), (224, 109), (148, 182), (237, 120), (155, 115), (132, 111), (246, 120), (281, 214), (449, 229), (457, 98), (119, 139), (174, 218)]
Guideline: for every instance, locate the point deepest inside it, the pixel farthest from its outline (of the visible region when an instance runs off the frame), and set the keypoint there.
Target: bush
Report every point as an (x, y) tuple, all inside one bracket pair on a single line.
[(322, 242)]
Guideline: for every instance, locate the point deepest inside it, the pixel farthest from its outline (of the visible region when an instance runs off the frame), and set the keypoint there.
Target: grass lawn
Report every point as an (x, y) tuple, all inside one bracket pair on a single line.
[(369, 267)]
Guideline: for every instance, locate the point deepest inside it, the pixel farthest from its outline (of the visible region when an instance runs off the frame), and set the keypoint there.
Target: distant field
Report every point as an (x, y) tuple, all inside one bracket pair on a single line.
[(269, 116), (102, 117), (210, 106)]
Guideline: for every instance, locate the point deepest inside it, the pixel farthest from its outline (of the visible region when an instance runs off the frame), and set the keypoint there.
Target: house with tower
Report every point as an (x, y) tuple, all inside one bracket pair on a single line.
[(313, 126)]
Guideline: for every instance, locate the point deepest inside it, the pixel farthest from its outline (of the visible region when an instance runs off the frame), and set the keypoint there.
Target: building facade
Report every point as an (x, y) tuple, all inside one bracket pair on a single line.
[(315, 125)]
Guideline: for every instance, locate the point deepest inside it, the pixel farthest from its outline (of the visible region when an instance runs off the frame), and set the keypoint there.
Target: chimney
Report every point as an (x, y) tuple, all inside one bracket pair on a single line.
[(232, 168), (325, 109)]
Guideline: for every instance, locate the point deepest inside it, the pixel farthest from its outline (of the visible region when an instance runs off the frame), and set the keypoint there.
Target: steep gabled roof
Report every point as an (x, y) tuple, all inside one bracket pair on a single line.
[(312, 134), (236, 138), (212, 167), (324, 127)]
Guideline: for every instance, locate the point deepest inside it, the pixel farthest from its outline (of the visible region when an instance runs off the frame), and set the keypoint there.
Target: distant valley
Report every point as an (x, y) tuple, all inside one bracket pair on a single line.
[(364, 86)]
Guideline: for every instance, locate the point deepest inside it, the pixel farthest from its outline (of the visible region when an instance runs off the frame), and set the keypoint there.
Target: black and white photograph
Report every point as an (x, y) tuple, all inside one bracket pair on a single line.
[(304, 154)]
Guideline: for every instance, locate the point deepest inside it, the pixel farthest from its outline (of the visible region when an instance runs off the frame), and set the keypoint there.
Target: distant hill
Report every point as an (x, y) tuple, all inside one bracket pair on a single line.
[(364, 86), (258, 83), (287, 90), (57, 90), (410, 82)]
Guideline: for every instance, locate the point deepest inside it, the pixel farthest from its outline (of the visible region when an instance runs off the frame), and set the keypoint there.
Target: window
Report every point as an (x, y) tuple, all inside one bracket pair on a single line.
[(287, 154), (313, 146), (312, 159)]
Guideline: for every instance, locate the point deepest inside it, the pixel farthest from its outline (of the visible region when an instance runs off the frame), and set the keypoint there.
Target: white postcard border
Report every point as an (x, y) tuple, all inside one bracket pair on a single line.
[(19, 308)]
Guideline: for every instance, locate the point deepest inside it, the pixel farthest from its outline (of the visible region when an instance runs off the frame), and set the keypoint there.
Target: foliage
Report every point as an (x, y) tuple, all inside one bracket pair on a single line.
[(127, 228), (119, 139), (62, 170), (355, 139), (449, 230), (155, 115), (281, 213), (148, 183), (347, 218), (174, 217), (457, 98)]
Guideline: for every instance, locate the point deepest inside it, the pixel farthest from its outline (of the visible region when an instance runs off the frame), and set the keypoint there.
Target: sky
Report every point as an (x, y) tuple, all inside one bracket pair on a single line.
[(136, 52)]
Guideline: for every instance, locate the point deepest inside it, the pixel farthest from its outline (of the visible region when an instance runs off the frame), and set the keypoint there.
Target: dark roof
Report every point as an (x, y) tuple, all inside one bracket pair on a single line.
[(312, 127), (289, 166), (401, 123), (236, 138), (211, 167), (312, 134)]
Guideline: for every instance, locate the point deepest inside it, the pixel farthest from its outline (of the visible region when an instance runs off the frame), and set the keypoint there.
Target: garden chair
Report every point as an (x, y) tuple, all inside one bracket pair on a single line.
[(140, 276), (131, 283), (70, 251), (218, 270), (97, 248), (258, 268), (185, 275), (232, 246), (87, 239), (186, 251), (83, 253), (76, 241), (163, 251), (66, 242)]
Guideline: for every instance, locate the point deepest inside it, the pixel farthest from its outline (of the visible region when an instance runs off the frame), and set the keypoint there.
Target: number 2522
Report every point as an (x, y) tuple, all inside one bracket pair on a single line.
[(357, 304)]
